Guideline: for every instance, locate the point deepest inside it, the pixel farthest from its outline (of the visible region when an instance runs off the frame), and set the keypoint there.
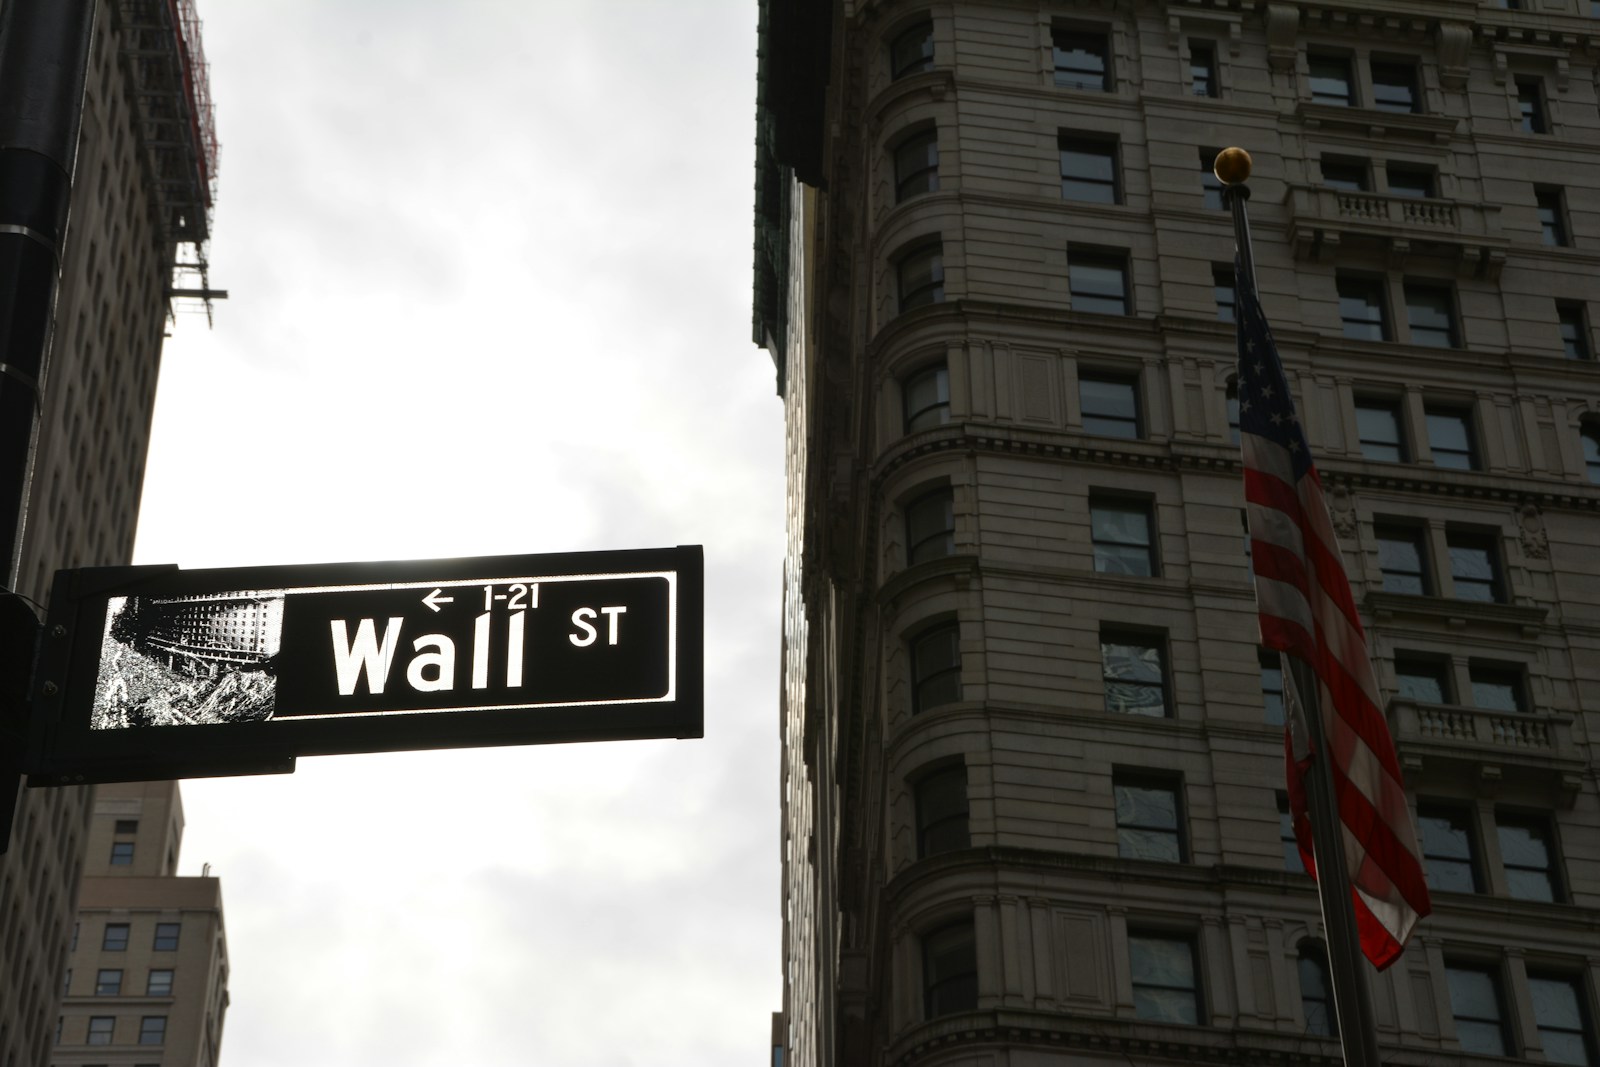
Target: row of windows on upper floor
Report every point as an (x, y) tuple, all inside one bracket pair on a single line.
[(1554, 1007), (102, 1030), (114, 937), (1332, 76), (108, 982), (1111, 406)]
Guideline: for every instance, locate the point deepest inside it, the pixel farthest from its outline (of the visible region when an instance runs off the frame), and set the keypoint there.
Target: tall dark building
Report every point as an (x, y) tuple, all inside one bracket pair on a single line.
[(1032, 776), (141, 209)]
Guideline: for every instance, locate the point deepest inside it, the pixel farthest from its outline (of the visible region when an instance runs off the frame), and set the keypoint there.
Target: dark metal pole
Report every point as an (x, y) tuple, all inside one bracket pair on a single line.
[(1347, 968), (44, 53)]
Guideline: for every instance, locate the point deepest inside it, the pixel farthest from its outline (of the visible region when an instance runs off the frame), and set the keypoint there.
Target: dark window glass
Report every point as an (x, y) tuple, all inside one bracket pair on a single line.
[(921, 277), (1210, 184), (931, 526), (153, 1030), (1120, 530), (1089, 170), (1361, 308), (1574, 330), (1165, 987), (1421, 678), (1149, 822), (949, 971), (1292, 861), (1474, 566), (1378, 425), (116, 938), (1230, 397), (1316, 992), (1083, 59), (108, 983), (1110, 405), (1401, 560), (1478, 1007), (126, 826), (1431, 313), (1202, 68), (160, 983), (1561, 1014), (1416, 182), (101, 1028), (912, 51), (1449, 853), (926, 398), (916, 165), (121, 853), (1271, 686), (1450, 439), (1346, 175), (1330, 79), (1098, 282), (1530, 102), (1497, 688), (1135, 674), (1552, 216), (936, 668), (941, 799), (1525, 849), (1394, 86), (166, 939), (1224, 292), (1591, 452)]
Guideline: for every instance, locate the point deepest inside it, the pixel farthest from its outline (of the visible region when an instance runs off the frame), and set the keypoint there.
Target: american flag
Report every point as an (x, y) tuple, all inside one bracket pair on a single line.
[(1307, 611)]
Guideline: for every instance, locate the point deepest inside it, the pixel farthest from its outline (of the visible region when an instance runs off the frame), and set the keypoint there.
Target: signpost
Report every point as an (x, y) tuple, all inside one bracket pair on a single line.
[(154, 672)]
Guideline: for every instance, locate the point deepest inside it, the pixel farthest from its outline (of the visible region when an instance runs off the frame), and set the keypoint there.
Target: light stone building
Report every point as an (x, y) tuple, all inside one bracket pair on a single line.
[(1032, 773)]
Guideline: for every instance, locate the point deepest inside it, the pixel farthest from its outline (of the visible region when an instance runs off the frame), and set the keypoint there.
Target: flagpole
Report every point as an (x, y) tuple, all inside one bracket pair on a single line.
[(1352, 1003)]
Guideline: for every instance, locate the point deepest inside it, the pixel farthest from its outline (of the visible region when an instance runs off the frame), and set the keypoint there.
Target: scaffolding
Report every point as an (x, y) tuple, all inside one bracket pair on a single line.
[(166, 65)]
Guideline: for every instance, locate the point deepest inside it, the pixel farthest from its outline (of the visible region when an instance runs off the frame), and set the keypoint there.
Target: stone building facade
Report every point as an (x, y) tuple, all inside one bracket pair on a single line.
[(1032, 764)]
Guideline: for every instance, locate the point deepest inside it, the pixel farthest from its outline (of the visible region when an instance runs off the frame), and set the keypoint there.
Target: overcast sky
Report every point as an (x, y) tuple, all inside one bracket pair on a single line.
[(490, 277)]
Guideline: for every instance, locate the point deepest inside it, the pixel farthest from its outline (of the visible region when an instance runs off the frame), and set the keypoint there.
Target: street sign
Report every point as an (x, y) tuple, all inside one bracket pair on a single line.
[(152, 672)]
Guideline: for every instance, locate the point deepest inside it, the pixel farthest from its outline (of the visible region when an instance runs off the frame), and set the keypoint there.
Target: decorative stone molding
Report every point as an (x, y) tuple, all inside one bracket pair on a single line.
[(1530, 530), (1283, 36), (1454, 48), (1342, 507)]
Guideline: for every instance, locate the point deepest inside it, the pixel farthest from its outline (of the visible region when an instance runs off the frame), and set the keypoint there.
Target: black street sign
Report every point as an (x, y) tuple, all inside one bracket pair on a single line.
[(150, 672)]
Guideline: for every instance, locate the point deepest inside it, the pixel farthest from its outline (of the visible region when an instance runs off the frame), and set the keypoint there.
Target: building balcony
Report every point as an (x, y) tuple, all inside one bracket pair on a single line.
[(1528, 753), (1323, 219)]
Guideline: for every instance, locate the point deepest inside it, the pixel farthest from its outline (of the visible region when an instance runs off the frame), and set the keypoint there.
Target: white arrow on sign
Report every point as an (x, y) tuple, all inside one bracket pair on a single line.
[(435, 598)]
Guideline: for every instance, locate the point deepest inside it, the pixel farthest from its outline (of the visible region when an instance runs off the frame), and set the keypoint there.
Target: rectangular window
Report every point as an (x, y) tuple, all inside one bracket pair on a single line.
[(1529, 858), (1210, 184), (949, 970), (1223, 291), (115, 939), (1449, 852), (1402, 560), (153, 1030), (1496, 687), (1121, 533), (101, 1027), (1110, 405), (1590, 436), (1431, 314), (1378, 427), (1292, 861), (1362, 308), (166, 939), (1083, 59), (1415, 182), (159, 983), (1271, 686), (931, 526), (912, 51), (1331, 82), (108, 983), (1394, 86), (1149, 817), (916, 165), (925, 397), (1574, 328), (1478, 1007), (942, 818), (1530, 104), (1424, 679), (1098, 282), (1135, 673), (1450, 438), (1346, 175), (1552, 214), (121, 853), (1089, 169), (1165, 986), (920, 274), (1474, 566), (1316, 992), (1560, 1012), (1230, 397), (936, 668), (1202, 68)]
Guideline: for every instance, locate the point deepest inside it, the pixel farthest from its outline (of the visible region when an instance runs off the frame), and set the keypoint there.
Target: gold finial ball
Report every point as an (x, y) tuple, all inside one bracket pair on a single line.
[(1232, 166)]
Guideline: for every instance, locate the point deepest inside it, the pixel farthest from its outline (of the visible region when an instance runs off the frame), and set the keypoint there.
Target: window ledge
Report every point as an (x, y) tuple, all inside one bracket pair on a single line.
[(957, 566), (1457, 613), (1321, 218), (1532, 752), (1376, 123)]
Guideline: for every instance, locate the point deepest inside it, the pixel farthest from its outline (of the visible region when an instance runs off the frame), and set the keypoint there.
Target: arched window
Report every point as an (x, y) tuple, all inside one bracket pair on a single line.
[(1316, 991)]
